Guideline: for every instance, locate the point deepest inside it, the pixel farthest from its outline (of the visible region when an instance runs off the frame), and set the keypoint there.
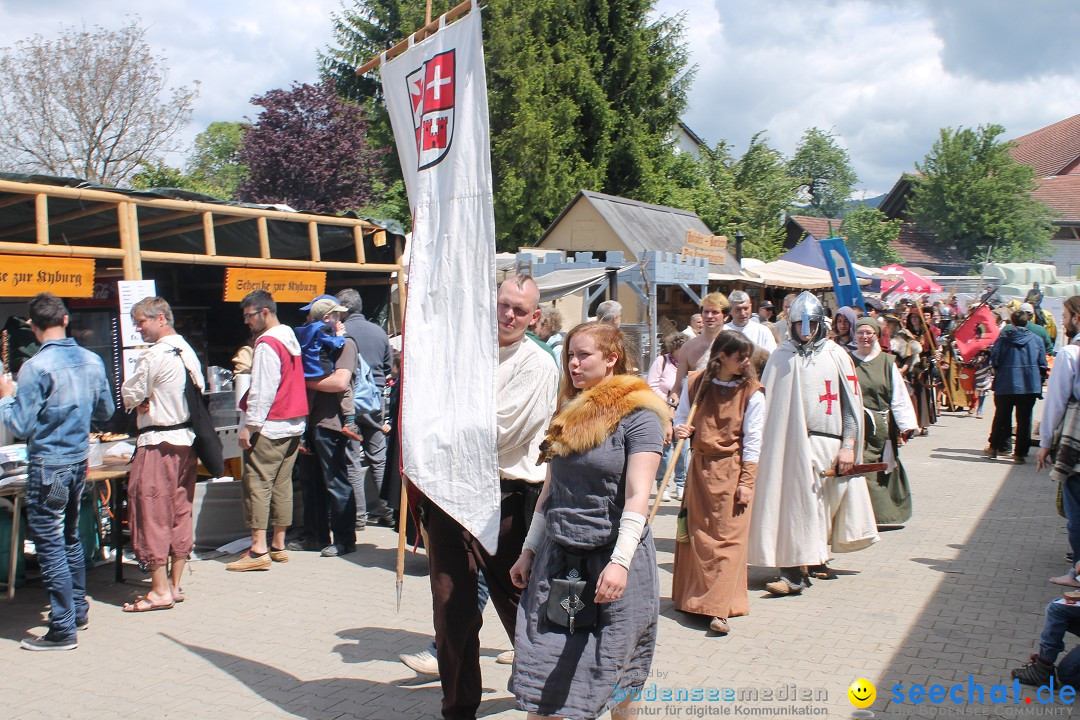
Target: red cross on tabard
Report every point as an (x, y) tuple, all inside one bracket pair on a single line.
[(828, 397), (854, 381)]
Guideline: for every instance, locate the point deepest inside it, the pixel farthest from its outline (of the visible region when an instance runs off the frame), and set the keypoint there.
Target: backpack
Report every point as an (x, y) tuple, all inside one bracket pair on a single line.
[(367, 398)]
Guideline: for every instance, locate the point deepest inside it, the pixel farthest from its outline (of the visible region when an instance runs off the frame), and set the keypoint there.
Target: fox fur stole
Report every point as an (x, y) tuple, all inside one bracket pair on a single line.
[(590, 417)]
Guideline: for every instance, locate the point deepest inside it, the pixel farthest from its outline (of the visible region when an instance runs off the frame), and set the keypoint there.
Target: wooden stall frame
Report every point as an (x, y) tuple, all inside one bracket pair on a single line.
[(204, 216)]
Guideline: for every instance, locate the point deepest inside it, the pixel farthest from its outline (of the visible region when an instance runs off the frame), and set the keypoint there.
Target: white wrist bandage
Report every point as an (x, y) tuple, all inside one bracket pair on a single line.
[(631, 528), (537, 533)]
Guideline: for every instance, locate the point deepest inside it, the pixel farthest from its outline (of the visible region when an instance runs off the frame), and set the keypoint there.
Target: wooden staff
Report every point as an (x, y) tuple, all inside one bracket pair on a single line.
[(403, 521), (674, 458), (452, 14)]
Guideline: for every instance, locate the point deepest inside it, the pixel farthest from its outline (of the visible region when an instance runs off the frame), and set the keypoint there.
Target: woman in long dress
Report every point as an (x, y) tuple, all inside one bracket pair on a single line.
[(604, 446), (892, 421), (710, 569)]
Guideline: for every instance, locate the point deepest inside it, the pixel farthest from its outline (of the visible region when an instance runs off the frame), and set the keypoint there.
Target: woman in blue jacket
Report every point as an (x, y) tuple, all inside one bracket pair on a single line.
[(1019, 361)]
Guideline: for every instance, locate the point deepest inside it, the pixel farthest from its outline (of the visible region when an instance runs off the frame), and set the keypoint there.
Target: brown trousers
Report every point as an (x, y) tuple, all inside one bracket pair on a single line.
[(268, 487), (160, 493), (454, 556)]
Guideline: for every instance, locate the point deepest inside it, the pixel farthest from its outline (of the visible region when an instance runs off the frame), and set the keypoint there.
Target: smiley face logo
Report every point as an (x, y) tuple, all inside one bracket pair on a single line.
[(862, 693)]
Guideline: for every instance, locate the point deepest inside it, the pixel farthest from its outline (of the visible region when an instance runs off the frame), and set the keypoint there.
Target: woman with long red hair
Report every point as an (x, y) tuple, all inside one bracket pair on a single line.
[(587, 621)]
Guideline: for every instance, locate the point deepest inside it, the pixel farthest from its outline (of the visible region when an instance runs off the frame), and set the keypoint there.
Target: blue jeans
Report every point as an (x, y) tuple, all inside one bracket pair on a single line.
[(331, 450), (1060, 619), (1070, 499), (54, 490), (680, 464)]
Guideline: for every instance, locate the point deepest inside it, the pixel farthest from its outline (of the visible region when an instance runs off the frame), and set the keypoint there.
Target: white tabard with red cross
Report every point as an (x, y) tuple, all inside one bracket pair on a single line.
[(821, 393)]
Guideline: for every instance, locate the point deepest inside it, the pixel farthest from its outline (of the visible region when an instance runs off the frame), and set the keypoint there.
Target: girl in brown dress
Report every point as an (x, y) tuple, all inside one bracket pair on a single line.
[(710, 569)]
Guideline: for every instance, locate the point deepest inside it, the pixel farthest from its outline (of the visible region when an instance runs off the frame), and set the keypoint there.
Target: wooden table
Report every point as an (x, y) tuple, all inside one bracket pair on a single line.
[(16, 493), (113, 473)]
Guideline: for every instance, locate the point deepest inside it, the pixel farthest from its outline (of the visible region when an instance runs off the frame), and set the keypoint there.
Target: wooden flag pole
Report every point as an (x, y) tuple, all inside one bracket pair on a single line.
[(429, 29), (403, 521)]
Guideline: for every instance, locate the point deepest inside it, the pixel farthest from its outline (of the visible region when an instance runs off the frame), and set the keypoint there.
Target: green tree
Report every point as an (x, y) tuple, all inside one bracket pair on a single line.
[(162, 175), (581, 94), (215, 159), (213, 168), (825, 173), (868, 234), (749, 194), (972, 194)]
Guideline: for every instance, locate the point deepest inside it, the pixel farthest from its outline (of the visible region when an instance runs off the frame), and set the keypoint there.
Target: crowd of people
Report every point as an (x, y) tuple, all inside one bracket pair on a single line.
[(583, 440)]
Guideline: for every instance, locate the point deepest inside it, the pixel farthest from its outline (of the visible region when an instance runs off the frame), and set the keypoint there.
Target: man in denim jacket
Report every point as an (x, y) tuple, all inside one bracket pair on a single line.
[(61, 389)]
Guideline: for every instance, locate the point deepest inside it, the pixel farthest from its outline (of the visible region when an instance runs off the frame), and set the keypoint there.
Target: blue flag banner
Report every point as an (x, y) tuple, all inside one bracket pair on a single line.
[(845, 283)]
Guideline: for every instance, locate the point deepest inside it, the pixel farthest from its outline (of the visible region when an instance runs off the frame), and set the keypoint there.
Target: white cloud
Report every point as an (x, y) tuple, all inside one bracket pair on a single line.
[(885, 75), (236, 49), (874, 72)]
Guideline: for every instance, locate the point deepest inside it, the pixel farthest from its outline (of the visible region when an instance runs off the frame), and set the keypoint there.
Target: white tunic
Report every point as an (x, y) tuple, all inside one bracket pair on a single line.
[(528, 382), (159, 377), (757, 334), (799, 515)]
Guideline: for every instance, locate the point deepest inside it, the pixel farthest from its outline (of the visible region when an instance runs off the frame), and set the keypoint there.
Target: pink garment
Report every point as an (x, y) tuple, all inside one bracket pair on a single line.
[(661, 376), (160, 494)]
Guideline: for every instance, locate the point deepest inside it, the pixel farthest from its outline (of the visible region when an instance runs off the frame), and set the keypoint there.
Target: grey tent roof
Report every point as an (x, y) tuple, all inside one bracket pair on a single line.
[(641, 226)]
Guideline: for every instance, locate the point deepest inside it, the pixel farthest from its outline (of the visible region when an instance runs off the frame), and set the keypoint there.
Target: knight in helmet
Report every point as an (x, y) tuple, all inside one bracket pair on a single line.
[(806, 506)]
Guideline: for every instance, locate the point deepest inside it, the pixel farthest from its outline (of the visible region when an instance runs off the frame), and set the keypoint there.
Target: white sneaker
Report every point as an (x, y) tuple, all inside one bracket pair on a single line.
[(505, 658), (679, 492), (667, 496), (422, 662)]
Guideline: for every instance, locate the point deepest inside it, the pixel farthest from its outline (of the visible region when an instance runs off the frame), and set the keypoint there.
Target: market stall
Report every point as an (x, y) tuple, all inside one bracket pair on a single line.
[(102, 249)]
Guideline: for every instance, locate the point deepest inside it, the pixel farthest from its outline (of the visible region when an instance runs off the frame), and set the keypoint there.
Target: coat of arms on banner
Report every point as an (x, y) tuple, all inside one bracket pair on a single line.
[(431, 91)]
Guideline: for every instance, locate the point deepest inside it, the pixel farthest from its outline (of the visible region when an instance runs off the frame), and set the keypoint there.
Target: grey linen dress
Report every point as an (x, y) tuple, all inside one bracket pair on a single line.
[(575, 676)]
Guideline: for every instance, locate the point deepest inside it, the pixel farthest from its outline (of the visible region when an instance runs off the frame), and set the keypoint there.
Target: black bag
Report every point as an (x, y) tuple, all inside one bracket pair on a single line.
[(571, 599), (207, 443)]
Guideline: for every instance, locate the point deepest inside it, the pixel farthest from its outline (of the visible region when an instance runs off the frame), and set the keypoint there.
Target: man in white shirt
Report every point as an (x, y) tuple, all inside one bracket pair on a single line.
[(1064, 385), (740, 322), (163, 470), (695, 326), (275, 416)]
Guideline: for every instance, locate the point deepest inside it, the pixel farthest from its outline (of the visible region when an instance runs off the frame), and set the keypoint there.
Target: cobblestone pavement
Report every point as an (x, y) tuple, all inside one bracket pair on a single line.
[(959, 592)]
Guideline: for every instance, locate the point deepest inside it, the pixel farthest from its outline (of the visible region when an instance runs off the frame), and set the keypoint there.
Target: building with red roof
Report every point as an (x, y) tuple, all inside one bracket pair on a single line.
[(1054, 152)]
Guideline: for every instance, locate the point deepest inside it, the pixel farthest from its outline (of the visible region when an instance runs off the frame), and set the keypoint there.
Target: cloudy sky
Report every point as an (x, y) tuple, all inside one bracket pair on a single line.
[(883, 75)]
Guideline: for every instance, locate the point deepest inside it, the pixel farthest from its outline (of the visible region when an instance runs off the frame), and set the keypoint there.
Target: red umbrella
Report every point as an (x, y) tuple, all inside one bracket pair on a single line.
[(910, 282)]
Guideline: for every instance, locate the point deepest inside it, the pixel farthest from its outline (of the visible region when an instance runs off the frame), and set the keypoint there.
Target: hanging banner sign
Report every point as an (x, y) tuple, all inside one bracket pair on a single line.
[(711, 247), (288, 286), (845, 283), (26, 276), (436, 95)]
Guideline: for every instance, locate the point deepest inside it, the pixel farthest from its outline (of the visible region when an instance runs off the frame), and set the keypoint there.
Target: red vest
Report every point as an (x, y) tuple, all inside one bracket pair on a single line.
[(290, 401)]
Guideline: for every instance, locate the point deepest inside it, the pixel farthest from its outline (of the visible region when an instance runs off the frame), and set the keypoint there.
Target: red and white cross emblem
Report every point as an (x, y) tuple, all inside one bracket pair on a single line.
[(828, 397)]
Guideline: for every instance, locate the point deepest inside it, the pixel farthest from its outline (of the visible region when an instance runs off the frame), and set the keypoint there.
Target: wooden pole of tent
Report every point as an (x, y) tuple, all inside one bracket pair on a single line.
[(427, 13), (452, 14)]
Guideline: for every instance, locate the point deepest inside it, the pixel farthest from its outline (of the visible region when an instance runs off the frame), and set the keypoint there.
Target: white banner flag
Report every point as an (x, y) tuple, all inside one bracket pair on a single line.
[(436, 94)]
